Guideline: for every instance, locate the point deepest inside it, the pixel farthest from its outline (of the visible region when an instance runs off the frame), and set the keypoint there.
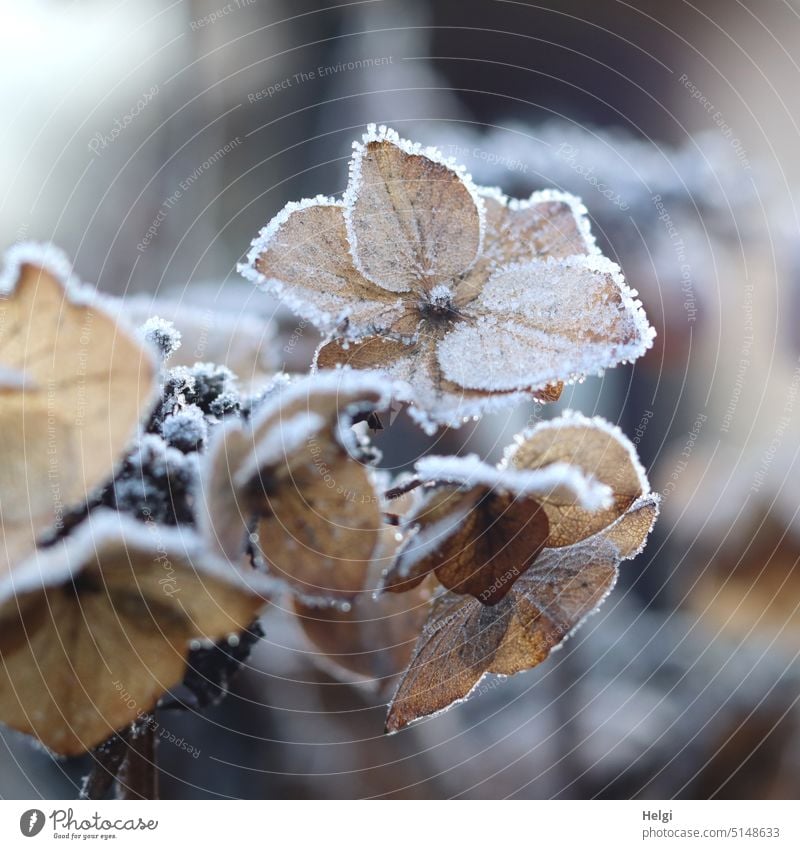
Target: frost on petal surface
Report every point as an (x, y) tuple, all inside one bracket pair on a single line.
[(414, 371), (413, 219), (93, 612), (83, 384), (543, 322), (303, 257), (548, 224), (463, 640)]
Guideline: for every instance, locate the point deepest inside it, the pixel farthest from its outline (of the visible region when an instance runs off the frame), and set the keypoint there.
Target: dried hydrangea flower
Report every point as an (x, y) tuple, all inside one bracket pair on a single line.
[(95, 629), (468, 299), (288, 473), (480, 528), (75, 385), (464, 640)]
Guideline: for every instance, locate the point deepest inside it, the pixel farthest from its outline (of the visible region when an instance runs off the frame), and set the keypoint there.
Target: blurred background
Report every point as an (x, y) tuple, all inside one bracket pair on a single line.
[(152, 140)]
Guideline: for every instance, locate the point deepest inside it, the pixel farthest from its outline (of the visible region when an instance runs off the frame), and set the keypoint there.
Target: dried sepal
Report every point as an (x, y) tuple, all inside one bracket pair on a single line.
[(76, 384), (601, 451), (285, 482), (95, 629), (469, 301), (479, 528), (464, 640)]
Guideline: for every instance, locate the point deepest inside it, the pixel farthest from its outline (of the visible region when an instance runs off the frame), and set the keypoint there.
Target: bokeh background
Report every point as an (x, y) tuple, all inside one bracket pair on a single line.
[(152, 140)]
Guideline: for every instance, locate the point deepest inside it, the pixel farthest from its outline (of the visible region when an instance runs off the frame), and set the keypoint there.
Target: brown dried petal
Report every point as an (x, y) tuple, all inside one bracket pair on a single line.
[(463, 639), (412, 221), (320, 530), (306, 261), (83, 385), (598, 450), (478, 542), (82, 660), (243, 460), (374, 639), (520, 231)]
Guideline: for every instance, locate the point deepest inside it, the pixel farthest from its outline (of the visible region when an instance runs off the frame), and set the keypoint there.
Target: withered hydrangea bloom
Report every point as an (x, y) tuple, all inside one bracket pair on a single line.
[(467, 299), (75, 385), (96, 628), (286, 484), (526, 560)]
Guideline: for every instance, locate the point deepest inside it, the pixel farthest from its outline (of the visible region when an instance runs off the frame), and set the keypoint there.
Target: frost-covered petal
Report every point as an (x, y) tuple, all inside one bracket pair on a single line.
[(320, 528), (601, 452), (548, 224), (416, 377), (464, 640), (303, 257), (302, 422), (83, 384), (477, 541), (413, 218), (96, 628), (546, 322)]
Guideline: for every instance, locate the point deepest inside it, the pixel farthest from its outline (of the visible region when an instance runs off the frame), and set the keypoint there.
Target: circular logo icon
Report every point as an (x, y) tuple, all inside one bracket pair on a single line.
[(31, 822)]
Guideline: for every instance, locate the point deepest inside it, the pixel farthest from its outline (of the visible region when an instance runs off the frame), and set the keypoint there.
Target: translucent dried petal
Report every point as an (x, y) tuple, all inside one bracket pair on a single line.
[(372, 640), (94, 630), (303, 257), (543, 322), (413, 220), (83, 385)]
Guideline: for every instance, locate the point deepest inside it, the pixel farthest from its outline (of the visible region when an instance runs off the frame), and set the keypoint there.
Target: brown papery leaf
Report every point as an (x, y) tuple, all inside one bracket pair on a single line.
[(463, 640), (95, 645), (74, 385)]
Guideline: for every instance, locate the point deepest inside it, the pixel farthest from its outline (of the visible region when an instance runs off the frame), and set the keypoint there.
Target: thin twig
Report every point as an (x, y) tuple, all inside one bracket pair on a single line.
[(138, 776)]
